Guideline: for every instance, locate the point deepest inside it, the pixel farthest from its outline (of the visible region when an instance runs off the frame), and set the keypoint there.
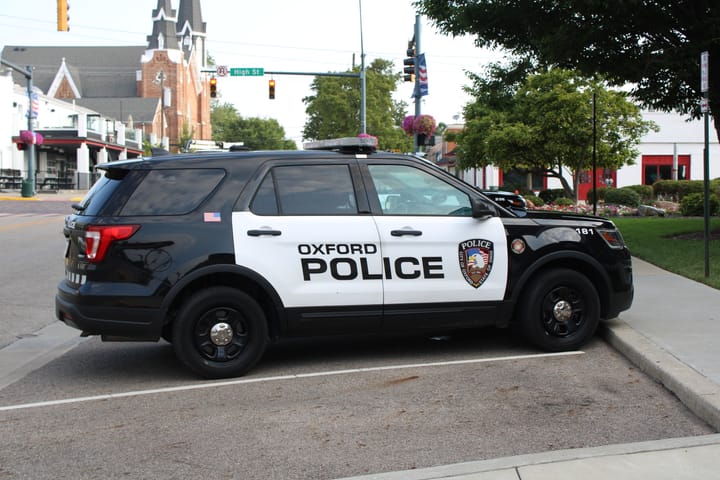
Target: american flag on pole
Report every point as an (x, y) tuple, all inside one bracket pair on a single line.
[(34, 106), (422, 75)]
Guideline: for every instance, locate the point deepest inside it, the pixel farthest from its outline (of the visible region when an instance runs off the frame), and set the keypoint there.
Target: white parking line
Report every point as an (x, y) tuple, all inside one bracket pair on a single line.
[(242, 381)]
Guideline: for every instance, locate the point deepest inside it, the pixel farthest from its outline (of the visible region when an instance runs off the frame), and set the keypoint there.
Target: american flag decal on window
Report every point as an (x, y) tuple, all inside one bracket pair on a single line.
[(212, 217)]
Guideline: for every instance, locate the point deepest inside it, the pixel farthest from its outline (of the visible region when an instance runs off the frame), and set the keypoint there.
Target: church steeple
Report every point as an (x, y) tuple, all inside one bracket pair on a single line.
[(164, 35), (191, 30)]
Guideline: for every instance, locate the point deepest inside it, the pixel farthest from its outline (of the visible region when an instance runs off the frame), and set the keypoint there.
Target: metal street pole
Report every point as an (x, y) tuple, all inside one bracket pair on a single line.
[(28, 189), (416, 88), (706, 189), (594, 155), (363, 96)]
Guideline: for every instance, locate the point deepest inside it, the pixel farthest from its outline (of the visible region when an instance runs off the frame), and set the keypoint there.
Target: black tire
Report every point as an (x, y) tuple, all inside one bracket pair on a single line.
[(220, 332), (560, 310)]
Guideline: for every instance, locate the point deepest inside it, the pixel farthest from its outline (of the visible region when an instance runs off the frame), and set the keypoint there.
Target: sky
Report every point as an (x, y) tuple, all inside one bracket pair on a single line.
[(276, 35)]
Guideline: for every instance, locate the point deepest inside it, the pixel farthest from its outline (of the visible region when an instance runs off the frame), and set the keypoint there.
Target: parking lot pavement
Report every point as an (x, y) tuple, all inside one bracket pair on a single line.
[(671, 333)]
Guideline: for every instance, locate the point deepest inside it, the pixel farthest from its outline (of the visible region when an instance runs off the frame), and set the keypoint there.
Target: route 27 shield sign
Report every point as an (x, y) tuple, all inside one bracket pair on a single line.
[(476, 260)]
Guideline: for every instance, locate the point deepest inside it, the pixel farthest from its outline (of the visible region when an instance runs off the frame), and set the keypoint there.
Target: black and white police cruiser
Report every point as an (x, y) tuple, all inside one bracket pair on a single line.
[(222, 253)]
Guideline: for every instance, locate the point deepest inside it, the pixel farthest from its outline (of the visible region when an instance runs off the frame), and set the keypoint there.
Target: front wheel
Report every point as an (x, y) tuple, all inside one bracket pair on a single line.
[(560, 311), (220, 332)]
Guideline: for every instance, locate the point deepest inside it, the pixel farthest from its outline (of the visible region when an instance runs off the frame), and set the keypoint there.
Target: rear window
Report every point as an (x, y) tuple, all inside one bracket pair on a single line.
[(99, 195), (172, 191)]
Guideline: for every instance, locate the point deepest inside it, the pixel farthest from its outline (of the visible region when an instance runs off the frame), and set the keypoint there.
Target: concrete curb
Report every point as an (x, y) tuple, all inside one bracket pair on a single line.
[(694, 390), (506, 467)]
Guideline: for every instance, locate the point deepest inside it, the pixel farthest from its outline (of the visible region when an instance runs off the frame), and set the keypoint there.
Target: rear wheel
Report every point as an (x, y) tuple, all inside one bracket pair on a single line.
[(220, 332), (560, 311)]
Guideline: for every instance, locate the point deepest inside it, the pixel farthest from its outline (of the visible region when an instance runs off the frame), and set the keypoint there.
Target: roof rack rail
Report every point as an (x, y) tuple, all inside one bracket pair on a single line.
[(345, 145)]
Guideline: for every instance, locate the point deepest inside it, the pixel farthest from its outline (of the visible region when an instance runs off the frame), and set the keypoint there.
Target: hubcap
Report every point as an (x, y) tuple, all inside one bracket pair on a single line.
[(562, 311), (221, 334)]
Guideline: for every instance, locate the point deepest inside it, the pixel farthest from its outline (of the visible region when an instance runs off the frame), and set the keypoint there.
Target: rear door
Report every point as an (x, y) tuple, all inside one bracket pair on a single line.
[(305, 233)]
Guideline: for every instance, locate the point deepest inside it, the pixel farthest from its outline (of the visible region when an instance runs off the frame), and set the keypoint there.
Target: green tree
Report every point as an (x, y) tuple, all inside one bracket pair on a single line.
[(545, 127), (256, 133), (654, 45), (334, 108)]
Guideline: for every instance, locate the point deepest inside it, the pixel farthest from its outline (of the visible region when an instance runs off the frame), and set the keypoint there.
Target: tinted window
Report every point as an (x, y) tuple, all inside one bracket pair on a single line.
[(405, 190), (306, 190), (100, 193), (172, 192)]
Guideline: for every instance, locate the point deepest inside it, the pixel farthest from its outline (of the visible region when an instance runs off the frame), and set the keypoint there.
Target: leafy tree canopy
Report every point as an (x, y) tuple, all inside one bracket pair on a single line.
[(544, 125), (255, 133), (654, 45), (334, 107)]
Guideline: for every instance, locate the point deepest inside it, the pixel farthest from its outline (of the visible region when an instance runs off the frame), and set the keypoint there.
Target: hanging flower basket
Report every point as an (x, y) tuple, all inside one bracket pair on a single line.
[(408, 125), (420, 125), (424, 125), (27, 137)]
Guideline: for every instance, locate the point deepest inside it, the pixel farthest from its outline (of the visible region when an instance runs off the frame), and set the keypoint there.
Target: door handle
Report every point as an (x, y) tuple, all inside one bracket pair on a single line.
[(260, 233), (402, 233)]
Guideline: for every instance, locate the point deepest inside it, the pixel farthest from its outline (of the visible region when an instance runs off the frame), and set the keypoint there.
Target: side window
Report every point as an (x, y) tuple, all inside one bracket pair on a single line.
[(405, 190), (172, 192), (306, 190)]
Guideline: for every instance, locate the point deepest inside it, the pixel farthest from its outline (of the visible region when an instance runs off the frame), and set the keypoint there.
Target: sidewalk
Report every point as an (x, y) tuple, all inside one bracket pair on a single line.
[(46, 195), (672, 333)]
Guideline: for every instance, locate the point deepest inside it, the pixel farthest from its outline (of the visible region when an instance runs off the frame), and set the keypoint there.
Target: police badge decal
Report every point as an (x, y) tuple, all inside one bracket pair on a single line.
[(476, 260)]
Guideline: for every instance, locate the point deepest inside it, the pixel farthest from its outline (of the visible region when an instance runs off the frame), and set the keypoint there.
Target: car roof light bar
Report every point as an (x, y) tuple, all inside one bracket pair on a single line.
[(345, 145)]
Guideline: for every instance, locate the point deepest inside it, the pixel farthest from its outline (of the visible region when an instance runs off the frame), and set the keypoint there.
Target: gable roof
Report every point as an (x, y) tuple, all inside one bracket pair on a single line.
[(141, 110), (98, 72)]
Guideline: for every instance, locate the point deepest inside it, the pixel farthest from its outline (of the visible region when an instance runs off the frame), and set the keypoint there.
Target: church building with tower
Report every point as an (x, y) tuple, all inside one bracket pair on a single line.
[(101, 103)]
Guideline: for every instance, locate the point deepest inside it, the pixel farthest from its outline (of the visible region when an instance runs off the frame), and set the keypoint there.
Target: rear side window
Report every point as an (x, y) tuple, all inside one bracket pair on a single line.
[(172, 192), (306, 190), (101, 193)]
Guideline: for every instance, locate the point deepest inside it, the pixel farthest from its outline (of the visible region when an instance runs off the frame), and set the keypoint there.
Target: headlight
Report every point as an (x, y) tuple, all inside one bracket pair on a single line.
[(612, 237)]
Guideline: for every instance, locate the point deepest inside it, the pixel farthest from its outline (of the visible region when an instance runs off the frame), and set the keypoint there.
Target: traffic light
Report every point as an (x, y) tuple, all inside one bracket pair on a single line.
[(213, 87), (63, 19), (271, 89), (409, 62)]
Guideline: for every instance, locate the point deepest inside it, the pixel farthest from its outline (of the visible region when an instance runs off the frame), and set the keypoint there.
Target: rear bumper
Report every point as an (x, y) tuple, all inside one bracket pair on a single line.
[(111, 321)]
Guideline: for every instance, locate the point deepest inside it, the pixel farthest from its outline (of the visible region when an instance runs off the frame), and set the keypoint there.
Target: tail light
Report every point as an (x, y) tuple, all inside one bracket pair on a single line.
[(99, 237)]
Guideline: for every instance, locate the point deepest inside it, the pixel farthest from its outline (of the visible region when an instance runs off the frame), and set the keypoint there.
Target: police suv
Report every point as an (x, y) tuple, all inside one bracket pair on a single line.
[(221, 253)]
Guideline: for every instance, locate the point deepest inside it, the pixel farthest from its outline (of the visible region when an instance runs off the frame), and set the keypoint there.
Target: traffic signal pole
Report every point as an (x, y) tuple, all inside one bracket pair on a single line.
[(416, 88)]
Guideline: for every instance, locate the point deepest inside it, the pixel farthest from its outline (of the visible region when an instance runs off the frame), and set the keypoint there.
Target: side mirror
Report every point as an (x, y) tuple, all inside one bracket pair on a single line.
[(481, 209)]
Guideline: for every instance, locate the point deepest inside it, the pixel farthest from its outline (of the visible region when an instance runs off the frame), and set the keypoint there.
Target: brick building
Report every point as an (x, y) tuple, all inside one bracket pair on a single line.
[(158, 89)]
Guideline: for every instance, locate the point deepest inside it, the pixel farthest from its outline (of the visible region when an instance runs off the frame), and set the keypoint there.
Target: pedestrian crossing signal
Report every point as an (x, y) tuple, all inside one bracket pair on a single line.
[(271, 89)]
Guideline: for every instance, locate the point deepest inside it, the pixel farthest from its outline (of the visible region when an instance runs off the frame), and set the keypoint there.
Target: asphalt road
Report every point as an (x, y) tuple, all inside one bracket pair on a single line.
[(321, 408)]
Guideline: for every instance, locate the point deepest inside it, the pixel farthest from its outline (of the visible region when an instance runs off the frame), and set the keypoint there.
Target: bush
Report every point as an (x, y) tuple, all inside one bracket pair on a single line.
[(645, 192), (537, 201), (622, 196), (600, 194), (677, 188), (563, 202), (549, 196), (692, 205)]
